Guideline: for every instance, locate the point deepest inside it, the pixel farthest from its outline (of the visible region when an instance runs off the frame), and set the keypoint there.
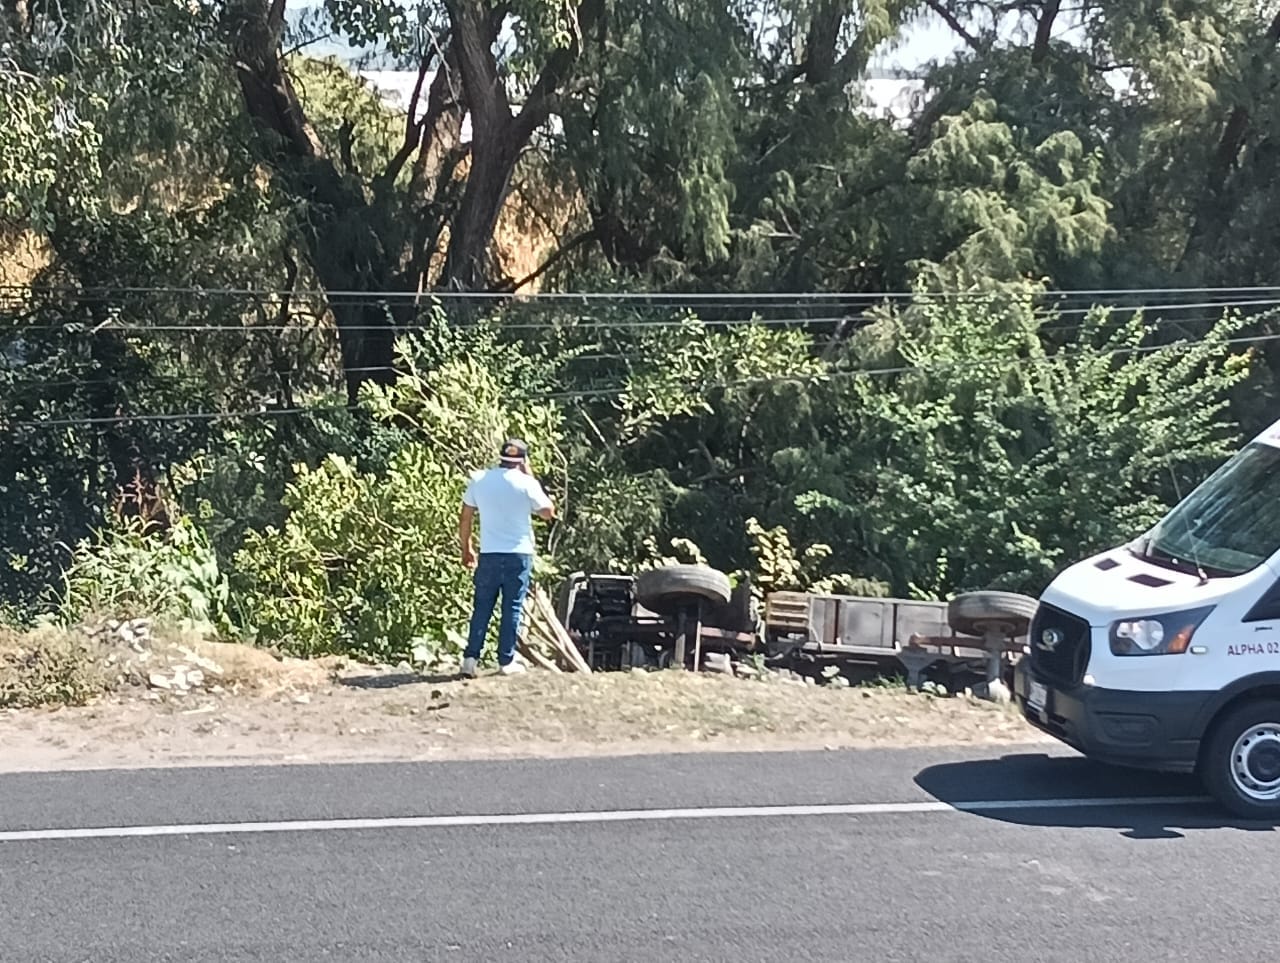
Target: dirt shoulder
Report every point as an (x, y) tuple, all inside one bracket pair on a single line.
[(357, 714)]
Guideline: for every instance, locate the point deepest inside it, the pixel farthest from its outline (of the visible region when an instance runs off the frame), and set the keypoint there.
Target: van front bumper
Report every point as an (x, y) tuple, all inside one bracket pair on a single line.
[(1145, 730)]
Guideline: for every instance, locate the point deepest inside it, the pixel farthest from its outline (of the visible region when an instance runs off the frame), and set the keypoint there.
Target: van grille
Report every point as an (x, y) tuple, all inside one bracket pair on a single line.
[(1066, 662)]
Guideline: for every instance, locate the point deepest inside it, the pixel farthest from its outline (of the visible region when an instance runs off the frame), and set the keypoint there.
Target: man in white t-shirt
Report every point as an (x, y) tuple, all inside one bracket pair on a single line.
[(505, 497)]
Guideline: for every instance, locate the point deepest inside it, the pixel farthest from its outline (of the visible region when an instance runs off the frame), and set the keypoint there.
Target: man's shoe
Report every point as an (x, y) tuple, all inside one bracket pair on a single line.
[(512, 668), (469, 668)]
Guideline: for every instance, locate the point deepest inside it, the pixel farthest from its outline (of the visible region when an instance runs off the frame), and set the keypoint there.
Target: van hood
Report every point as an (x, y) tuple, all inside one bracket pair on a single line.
[(1116, 584)]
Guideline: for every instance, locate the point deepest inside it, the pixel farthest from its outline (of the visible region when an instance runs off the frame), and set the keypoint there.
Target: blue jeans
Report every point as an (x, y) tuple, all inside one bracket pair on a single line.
[(497, 574)]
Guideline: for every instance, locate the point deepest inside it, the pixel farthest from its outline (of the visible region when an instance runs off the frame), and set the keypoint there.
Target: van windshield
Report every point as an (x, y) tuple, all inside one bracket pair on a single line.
[(1227, 526)]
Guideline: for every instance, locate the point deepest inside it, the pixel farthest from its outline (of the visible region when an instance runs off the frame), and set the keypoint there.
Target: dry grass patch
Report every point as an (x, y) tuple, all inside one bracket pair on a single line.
[(229, 666), (50, 666), (253, 707), (687, 708)]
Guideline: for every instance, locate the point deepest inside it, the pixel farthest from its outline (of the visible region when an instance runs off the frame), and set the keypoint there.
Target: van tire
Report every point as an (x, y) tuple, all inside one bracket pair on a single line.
[(1223, 775), (667, 590), (1006, 612)]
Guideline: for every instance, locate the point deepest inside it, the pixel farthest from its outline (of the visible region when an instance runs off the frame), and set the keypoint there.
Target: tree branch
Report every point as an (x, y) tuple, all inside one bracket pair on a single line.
[(268, 92), (346, 140), (1044, 31), (275, 16), (435, 215), (954, 23), (413, 128), (1107, 68), (537, 107), (278, 362), (558, 255), (441, 128)]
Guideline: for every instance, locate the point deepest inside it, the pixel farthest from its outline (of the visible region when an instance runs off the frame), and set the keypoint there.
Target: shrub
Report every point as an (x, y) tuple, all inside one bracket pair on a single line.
[(367, 564), (779, 569), (968, 452), (49, 666), (134, 568), (362, 564)]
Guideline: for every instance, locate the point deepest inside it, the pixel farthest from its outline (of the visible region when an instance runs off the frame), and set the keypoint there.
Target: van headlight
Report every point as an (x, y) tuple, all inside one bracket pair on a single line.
[(1166, 634)]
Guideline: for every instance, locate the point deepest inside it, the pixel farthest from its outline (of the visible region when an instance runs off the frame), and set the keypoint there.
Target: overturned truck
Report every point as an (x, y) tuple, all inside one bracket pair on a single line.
[(693, 616)]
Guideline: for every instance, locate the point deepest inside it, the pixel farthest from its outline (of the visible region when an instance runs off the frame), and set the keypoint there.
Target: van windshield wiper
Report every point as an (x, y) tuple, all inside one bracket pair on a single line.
[(1153, 553)]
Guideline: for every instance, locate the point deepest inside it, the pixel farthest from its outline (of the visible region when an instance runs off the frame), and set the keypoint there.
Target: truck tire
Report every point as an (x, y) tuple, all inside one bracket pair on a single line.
[(1005, 612), (667, 590), (1240, 762)]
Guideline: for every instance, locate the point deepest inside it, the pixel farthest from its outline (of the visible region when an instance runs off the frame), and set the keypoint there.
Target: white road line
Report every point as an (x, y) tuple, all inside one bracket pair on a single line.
[(603, 816)]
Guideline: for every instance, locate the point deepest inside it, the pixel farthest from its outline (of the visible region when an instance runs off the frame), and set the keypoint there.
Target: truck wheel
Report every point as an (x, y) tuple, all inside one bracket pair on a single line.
[(667, 590), (1004, 612), (1241, 762)]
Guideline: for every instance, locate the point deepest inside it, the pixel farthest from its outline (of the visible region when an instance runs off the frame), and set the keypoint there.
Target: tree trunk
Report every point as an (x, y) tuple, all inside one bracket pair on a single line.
[(358, 247), (1044, 31), (340, 233), (493, 161), (498, 135), (820, 45), (133, 475)]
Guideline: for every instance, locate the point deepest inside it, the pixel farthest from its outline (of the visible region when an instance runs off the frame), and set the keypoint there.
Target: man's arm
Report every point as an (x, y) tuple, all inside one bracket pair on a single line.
[(465, 520), (540, 502)]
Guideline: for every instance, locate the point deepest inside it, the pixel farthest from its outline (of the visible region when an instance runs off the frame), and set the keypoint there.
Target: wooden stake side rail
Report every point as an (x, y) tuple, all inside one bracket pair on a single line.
[(543, 640)]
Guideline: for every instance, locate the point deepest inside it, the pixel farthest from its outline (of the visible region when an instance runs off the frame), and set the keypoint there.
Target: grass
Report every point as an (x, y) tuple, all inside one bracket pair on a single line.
[(255, 705), (685, 707), (50, 666), (271, 710), (53, 666)]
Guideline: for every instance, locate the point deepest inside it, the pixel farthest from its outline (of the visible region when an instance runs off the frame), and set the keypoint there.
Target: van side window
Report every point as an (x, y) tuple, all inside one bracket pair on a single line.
[(1267, 608)]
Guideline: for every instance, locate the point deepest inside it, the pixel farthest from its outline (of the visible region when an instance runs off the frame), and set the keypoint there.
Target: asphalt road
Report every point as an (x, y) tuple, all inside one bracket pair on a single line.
[(1031, 865)]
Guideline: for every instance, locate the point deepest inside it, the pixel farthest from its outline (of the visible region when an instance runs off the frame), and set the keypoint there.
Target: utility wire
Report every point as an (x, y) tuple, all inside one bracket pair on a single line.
[(167, 417), (592, 324), (338, 374), (727, 296), (618, 391)]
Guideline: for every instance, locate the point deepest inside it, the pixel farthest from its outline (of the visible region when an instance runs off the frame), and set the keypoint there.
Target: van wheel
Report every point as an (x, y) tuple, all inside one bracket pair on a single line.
[(1241, 765)]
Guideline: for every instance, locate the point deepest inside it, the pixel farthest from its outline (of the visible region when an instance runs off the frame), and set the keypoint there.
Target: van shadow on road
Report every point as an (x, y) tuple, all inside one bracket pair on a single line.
[(1042, 777)]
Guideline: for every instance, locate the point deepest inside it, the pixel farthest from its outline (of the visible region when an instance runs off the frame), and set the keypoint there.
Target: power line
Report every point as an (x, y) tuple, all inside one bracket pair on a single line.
[(617, 391), (374, 299), (661, 324), (162, 382), (605, 325), (727, 296), (167, 417), (339, 373), (1005, 362)]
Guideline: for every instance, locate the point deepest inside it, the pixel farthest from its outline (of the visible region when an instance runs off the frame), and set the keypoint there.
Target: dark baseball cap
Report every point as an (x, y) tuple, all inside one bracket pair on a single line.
[(514, 449)]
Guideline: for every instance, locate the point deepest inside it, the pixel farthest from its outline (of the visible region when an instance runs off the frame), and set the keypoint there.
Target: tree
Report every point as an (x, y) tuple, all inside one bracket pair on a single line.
[(987, 457), (134, 202), (371, 231)]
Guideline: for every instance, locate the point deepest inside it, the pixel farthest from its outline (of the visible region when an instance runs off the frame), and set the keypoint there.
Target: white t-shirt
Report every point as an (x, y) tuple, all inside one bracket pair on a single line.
[(506, 498)]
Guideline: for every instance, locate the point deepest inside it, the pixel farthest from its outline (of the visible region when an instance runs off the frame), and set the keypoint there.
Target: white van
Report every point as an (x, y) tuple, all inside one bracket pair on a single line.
[(1165, 653)]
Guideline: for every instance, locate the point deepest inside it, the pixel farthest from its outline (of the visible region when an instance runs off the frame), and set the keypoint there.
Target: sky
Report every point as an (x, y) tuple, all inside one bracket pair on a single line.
[(887, 91), (918, 45)]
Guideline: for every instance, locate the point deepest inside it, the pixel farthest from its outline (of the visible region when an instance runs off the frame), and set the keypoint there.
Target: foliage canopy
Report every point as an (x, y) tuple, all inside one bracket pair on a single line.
[(274, 311)]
